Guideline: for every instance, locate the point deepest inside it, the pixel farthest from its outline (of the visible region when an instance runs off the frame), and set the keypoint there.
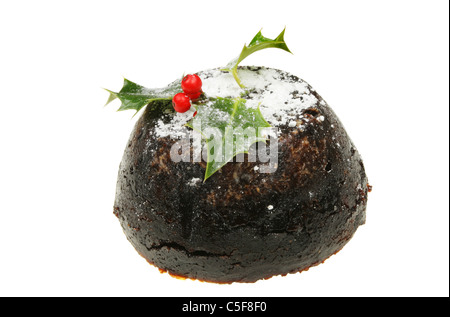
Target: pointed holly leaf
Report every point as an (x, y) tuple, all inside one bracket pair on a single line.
[(229, 128), (259, 42), (135, 97)]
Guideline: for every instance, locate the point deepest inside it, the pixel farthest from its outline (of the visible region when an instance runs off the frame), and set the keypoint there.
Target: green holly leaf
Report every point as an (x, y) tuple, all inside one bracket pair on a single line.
[(135, 97), (229, 128), (259, 42)]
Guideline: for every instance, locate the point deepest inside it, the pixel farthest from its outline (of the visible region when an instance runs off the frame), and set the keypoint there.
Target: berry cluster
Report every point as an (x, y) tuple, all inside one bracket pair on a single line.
[(192, 90)]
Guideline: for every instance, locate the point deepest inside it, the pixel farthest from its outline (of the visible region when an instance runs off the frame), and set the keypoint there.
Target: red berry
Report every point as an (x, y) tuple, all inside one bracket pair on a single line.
[(194, 95), (191, 84), (181, 102)]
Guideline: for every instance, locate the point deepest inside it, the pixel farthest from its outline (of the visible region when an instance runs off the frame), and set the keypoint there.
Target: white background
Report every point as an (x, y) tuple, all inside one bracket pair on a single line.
[(382, 65)]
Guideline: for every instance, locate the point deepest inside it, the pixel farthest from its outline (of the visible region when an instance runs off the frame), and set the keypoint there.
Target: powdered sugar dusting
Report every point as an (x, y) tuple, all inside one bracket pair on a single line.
[(280, 98), (176, 127), (194, 181)]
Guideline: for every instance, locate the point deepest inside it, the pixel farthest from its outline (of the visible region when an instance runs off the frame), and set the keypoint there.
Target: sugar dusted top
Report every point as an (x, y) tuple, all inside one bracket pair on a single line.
[(280, 96)]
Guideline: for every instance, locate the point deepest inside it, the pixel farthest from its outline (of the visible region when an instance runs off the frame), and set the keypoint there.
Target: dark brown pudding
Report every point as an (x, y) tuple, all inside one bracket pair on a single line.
[(241, 225)]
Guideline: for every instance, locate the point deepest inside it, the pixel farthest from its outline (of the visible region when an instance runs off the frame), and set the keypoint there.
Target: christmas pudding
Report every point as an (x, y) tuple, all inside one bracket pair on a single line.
[(237, 174)]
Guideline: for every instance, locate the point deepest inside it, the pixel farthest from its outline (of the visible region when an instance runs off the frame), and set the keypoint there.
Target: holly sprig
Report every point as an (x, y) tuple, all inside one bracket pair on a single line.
[(228, 115), (135, 97), (236, 127), (259, 42)]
